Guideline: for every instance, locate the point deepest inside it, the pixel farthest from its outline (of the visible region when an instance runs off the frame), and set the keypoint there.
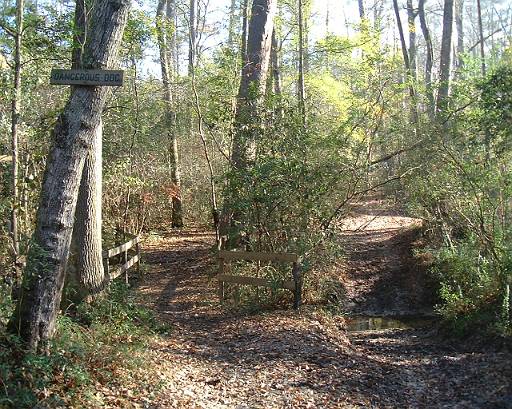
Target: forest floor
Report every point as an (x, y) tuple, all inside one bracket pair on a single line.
[(215, 357)]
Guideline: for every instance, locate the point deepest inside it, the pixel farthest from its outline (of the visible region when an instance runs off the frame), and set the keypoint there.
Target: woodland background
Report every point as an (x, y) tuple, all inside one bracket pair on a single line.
[(410, 99)]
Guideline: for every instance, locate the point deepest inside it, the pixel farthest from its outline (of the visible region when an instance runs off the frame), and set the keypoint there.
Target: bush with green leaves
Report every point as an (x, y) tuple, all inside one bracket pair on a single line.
[(98, 344), (464, 192)]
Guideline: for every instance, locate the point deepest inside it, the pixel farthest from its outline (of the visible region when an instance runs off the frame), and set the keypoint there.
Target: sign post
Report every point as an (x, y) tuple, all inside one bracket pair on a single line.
[(112, 78)]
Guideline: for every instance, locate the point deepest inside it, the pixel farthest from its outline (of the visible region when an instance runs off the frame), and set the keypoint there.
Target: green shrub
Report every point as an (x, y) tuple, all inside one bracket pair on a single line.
[(99, 343)]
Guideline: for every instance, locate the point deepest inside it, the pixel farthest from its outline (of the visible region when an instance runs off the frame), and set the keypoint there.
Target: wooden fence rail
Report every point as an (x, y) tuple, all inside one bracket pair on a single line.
[(117, 270), (294, 285)]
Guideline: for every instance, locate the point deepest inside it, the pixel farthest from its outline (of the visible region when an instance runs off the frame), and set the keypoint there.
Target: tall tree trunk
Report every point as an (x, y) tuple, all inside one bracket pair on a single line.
[(445, 58), (245, 29), (36, 312), (481, 37), (301, 91), (327, 10), (360, 4), (86, 276), (411, 20), (79, 33), (487, 135), (248, 122), (192, 37), (305, 34), (15, 118), (276, 65), (277, 81), (172, 55), (405, 53), (232, 21), (429, 58), (165, 31), (407, 64), (213, 188), (459, 24), (378, 10), (253, 82)]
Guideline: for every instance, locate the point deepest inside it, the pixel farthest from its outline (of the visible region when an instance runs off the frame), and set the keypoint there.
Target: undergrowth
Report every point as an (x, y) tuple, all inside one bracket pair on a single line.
[(474, 291), (99, 357)]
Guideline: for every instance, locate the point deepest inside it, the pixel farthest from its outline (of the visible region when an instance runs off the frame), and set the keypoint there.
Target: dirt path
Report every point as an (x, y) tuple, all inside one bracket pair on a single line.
[(381, 275), (283, 359)]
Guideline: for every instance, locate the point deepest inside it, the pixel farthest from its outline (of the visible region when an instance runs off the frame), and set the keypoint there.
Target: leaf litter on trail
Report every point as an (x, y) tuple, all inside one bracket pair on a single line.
[(219, 358)]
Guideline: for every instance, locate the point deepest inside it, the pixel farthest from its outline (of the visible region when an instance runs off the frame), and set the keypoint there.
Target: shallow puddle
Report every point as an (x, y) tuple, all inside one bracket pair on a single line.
[(365, 323)]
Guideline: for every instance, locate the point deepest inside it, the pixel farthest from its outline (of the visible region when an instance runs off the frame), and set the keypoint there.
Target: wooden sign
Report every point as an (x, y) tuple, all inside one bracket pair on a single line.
[(112, 78)]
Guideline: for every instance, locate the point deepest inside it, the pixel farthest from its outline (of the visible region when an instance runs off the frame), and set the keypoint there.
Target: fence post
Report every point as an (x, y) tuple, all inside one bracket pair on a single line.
[(137, 249), (125, 260), (107, 266)]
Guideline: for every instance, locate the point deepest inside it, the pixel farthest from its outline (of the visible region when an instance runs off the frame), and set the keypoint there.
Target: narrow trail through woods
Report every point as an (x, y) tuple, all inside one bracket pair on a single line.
[(214, 358)]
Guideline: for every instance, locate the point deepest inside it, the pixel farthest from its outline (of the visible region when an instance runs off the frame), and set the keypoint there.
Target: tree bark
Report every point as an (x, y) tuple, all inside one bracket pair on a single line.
[(36, 312), (172, 55), (407, 62), (245, 29), (459, 24), (253, 82), (191, 36), (360, 4), (79, 34), (327, 10), (411, 20), (248, 122), (232, 20), (86, 276), (301, 92), (429, 58), (165, 32), (15, 117), (445, 58), (276, 65), (405, 54), (481, 37)]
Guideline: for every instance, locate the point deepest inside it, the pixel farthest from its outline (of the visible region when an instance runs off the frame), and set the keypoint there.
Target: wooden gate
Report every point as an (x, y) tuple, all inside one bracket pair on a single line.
[(294, 285)]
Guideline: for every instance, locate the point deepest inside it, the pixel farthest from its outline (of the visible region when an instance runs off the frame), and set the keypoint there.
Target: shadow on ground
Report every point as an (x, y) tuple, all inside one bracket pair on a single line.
[(285, 359)]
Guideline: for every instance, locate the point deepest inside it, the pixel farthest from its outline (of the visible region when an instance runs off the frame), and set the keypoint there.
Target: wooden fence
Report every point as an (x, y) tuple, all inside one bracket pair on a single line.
[(294, 285), (115, 271)]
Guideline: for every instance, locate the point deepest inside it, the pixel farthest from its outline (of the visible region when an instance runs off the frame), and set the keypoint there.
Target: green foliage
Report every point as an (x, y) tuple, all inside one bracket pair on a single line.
[(466, 197), (496, 106), (99, 345), (137, 34)]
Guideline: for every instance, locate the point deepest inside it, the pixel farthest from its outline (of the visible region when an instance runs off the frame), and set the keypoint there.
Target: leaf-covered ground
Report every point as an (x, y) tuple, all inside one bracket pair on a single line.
[(214, 358)]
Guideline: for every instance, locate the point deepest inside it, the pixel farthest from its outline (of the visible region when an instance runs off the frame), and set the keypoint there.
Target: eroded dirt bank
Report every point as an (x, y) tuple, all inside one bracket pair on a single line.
[(284, 359)]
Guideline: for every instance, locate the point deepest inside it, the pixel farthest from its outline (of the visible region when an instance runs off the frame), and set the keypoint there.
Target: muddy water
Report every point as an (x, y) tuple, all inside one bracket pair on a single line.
[(366, 323)]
